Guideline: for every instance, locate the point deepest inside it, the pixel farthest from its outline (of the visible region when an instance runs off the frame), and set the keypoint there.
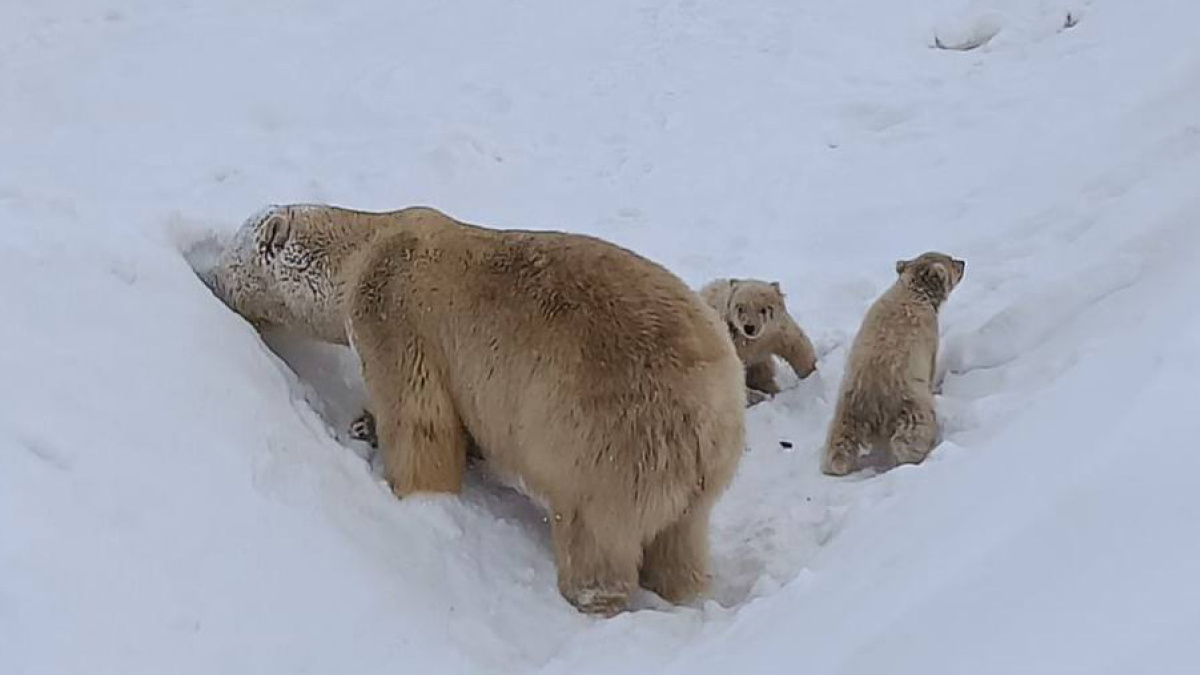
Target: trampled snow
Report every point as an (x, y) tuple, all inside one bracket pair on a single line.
[(178, 494)]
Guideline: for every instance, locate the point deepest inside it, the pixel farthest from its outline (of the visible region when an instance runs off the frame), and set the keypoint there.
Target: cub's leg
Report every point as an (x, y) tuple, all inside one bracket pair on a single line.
[(597, 559), (675, 563), (795, 348), (841, 448), (760, 375), (421, 438), (915, 433)]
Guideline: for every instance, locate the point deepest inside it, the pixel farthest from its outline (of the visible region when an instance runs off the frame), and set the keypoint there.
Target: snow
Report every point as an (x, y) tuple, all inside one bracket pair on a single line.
[(178, 494)]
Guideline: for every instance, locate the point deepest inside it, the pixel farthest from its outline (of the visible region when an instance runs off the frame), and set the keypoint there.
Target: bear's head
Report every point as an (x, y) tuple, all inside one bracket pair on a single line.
[(753, 306), (932, 275)]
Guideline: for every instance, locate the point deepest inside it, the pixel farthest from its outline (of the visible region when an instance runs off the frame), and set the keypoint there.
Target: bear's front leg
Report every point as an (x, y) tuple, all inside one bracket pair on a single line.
[(421, 437), (363, 429)]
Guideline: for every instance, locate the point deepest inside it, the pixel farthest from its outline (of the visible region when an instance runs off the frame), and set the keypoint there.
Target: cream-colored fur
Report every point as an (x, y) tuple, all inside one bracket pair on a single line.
[(593, 376), (761, 328), (886, 396)]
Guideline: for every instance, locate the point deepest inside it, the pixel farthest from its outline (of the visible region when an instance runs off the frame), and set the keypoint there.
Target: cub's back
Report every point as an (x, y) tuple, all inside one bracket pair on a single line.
[(894, 350)]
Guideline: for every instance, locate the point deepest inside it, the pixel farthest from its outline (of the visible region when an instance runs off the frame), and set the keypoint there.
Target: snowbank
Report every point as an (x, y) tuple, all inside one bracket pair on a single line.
[(178, 495)]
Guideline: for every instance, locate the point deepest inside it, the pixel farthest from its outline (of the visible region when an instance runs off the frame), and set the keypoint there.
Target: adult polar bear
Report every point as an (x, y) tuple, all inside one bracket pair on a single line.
[(594, 376)]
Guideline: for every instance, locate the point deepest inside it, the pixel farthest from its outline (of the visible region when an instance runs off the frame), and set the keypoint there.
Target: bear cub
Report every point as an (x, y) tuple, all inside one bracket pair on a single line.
[(886, 397), (761, 328)]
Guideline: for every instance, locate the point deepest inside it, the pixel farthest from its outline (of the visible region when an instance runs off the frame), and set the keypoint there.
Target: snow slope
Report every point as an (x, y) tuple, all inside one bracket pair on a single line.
[(178, 496)]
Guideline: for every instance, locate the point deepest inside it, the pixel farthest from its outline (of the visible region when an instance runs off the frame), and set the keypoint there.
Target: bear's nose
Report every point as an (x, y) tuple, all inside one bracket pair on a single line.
[(750, 329)]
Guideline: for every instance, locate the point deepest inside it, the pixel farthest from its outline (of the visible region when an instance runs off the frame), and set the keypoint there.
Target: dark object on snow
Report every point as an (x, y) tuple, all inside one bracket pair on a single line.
[(786, 444), (967, 45), (363, 429)]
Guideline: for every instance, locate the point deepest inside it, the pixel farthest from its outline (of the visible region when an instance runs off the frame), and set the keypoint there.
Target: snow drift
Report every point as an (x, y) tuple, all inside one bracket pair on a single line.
[(178, 494)]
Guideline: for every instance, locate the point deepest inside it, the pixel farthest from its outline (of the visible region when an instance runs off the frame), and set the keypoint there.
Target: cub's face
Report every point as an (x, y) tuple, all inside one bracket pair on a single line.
[(933, 273), (755, 305)]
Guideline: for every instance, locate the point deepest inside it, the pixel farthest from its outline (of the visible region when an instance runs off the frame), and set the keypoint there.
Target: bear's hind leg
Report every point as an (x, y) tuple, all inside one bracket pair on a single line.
[(597, 561), (915, 434), (675, 563)]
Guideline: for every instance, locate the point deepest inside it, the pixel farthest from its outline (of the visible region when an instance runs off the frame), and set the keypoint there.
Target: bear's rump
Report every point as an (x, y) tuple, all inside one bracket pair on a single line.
[(557, 435)]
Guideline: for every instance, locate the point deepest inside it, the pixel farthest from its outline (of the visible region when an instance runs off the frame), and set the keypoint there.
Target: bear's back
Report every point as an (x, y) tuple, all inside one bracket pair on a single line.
[(552, 291)]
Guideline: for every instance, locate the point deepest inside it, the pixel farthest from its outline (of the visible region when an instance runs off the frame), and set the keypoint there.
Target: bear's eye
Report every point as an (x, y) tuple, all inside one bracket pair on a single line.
[(768, 312)]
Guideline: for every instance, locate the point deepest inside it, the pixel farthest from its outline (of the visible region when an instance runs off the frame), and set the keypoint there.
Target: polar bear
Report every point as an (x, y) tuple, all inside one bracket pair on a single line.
[(591, 375), (761, 328), (886, 396)]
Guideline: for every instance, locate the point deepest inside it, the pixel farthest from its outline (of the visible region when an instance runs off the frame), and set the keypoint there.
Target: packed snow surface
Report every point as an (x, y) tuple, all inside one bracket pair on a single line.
[(178, 494)]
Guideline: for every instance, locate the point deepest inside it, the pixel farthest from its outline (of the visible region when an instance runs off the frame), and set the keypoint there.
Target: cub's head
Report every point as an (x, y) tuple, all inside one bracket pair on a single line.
[(932, 274), (753, 306)]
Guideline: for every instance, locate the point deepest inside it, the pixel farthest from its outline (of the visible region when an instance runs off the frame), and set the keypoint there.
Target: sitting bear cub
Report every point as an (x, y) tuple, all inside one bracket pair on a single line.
[(886, 397)]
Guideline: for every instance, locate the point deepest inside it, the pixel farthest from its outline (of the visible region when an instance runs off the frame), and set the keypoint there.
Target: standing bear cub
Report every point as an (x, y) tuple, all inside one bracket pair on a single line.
[(761, 328), (886, 397), (590, 375)]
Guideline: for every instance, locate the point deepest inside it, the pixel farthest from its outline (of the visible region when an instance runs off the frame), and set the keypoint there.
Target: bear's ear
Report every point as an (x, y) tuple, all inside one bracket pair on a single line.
[(901, 265), (960, 266), (775, 285)]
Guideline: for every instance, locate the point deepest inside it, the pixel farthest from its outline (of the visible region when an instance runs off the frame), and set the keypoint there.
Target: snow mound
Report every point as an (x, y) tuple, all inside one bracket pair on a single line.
[(969, 25)]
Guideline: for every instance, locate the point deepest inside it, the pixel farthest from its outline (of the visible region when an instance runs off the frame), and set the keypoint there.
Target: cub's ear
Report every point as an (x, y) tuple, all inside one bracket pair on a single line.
[(775, 285), (960, 266), (901, 265)]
